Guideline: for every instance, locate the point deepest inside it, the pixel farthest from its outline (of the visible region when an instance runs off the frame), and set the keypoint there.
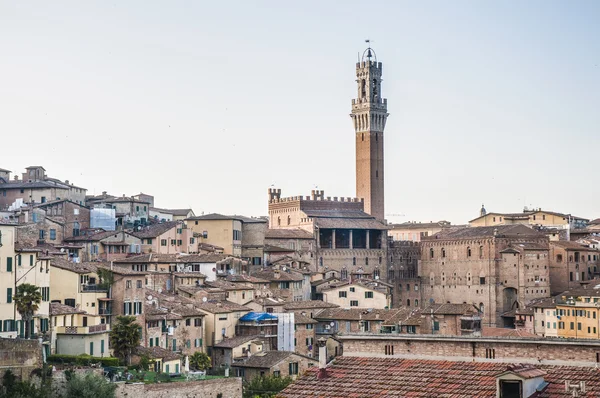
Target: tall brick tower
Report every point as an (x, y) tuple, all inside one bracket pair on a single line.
[(369, 114)]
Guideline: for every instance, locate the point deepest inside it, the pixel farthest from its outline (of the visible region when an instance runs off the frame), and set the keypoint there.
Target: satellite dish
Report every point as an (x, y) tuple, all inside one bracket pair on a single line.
[(150, 297), (376, 277), (62, 249), (332, 323), (204, 299), (283, 269), (160, 290)]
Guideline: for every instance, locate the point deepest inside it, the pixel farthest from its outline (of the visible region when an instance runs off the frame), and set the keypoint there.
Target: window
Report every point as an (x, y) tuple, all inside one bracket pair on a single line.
[(138, 284), (52, 234), (191, 241), (342, 294), (482, 280), (293, 368), (163, 242), (173, 242), (490, 353), (179, 242), (198, 322), (416, 303), (431, 253), (42, 232), (480, 251), (310, 326), (408, 302), (9, 262), (368, 294), (352, 289), (9, 295), (366, 260), (353, 260), (468, 252), (416, 288), (354, 303), (31, 259)]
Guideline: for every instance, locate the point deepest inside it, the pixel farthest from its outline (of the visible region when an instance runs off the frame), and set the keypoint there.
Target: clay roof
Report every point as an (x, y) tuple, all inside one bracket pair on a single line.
[(514, 230), (451, 309), (284, 276), (121, 270), (300, 319), (225, 285), (308, 305), (505, 332), (155, 230), (61, 309), (356, 314), (570, 245), (221, 307), (157, 353), (80, 268), (264, 360), (292, 233), (421, 378), (245, 278), (216, 216), (233, 342), (175, 212), (542, 303), (275, 249), (419, 225), (96, 235), (350, 223)]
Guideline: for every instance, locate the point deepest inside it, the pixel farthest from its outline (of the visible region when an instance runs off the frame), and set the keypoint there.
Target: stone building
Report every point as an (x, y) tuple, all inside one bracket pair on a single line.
[(369, 115), (36, 187), (570, 264), (534, 217), (497, 269), (130, 212), (346, 237), (403, 273), (414, 231), (278, 363)]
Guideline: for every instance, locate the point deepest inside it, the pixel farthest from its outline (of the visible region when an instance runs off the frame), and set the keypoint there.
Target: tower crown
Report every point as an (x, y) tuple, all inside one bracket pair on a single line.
[(369, 109)]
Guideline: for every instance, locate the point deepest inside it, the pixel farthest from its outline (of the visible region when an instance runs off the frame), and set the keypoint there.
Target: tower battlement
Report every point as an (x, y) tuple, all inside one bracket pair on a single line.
[(373, 64), (315, 196)]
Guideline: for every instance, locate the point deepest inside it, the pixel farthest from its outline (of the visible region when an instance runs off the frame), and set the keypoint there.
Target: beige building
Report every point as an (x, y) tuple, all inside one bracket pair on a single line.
[(537, 217), (81, 309), (277, 363), (36, 187), (7, 280), (220, 321), (570, 264), (414, 231), (236, 349), (360, 295), (167, 238), (100, 245), (497, 269), (218, 230)]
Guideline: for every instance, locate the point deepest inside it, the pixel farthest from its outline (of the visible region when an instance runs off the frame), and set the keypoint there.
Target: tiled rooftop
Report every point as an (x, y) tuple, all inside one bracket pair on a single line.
[(359, 377)]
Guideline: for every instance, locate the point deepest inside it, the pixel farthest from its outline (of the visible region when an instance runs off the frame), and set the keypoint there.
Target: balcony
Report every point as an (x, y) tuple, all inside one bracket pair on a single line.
[(79, 330), (326, 330), (93, 288), (104, 311)]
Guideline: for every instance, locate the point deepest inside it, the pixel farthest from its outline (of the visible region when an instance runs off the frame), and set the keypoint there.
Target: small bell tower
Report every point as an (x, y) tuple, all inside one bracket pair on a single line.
[(369, 115)]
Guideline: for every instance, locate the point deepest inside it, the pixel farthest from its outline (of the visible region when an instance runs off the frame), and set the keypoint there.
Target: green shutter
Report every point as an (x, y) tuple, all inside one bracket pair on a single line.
[(9, 295), (167, 368), (156, 341), (174, 345), (9, 264), (91, 348), (19, 260), (31, 259), (200, 343), (151, 342), (176, 368)]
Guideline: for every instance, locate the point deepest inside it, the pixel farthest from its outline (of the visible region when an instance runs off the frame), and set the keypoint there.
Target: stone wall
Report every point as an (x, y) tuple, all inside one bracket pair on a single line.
[(20, 356), (228, 387), (535, 350)]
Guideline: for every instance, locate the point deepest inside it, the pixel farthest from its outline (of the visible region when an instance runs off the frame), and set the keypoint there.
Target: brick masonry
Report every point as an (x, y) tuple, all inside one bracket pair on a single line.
[(20, 356), (545, 351)]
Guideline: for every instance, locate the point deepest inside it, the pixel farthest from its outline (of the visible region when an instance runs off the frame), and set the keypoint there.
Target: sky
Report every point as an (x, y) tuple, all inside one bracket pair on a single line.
[(208, 104)]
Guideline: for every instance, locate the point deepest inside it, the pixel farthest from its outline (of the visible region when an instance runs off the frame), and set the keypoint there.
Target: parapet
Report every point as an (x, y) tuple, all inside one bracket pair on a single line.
[(372, 64), (315, 196)]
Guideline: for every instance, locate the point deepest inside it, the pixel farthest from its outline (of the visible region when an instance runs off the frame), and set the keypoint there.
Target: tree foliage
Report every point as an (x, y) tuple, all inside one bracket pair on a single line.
[(106, 278), (27, 300), (90, 385), (200, 361), (266, 386), (13, 388), (124, 337)]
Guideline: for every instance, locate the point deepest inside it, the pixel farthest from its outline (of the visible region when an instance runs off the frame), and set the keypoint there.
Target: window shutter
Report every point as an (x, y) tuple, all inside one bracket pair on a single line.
[(9, 262)]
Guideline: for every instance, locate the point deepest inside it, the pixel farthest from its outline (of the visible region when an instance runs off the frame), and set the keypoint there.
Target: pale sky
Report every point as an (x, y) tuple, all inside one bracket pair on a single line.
[(207, 104)]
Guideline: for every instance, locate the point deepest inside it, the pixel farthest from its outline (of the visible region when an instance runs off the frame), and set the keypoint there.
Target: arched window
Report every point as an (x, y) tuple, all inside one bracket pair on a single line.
[(289, 220), (363, 88), (278, 221), (353, 260), (344, 273), (443, 252), (416, 303), (366, 260), (480, 251), (376, 273), (320, 261), (431, 253), (408, 302), (468, 251), (481, 308)]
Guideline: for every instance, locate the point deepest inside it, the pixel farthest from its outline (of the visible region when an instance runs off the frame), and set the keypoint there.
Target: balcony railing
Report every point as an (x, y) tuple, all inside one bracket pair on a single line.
[(104, 311), (324, 330), (93, 288), (82, 329)]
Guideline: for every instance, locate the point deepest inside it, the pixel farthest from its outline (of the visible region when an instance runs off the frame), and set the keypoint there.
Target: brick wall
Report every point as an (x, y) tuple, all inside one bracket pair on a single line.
[(228, 387), (20, 356), (475, 348)]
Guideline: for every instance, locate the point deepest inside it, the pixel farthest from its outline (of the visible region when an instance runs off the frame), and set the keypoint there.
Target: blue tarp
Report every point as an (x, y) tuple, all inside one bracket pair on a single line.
[(257, 317)]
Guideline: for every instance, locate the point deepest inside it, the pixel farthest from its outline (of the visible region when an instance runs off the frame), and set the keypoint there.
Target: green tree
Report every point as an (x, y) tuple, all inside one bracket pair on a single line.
[(265, 387), (11, 387), (124, 337), (199, 361), (90, 385), (106, 278), (27, 300)]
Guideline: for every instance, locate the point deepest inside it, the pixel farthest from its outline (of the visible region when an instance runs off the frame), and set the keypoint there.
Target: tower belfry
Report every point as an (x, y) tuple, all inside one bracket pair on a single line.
[(369, 114)]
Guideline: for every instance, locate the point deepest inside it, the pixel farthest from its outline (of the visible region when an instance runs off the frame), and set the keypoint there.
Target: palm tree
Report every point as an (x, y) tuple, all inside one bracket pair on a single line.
[(27, 300), (125, 337)]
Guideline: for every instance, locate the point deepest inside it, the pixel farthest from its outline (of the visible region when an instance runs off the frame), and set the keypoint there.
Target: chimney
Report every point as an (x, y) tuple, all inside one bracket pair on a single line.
[(67, 182), (322, 342)]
